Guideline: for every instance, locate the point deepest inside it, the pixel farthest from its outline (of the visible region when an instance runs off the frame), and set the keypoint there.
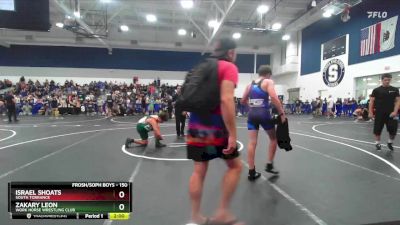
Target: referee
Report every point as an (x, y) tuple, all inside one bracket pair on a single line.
[(385, 100), (11, 107), (180, 116)]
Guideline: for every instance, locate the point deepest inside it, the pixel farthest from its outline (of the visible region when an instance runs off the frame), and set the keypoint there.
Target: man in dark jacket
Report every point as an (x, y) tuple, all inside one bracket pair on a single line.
[(11, 108), (180, 117)]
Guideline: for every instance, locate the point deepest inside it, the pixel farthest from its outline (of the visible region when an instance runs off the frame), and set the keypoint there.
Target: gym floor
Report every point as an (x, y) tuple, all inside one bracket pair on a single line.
[(333, 176)]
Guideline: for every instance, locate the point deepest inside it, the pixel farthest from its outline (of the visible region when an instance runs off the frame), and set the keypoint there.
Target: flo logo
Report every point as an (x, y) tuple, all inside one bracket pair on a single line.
[(333, 72), (376, 14)]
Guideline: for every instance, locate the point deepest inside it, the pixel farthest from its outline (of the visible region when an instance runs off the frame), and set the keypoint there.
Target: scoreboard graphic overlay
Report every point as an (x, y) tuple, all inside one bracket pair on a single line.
[(70, 200)]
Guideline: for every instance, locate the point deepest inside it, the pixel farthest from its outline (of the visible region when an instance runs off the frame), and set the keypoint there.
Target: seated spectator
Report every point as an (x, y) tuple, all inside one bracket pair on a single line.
[(26, 108)]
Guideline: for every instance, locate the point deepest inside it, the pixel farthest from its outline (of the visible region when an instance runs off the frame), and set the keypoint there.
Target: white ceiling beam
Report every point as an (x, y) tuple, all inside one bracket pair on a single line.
[(294, 5), (217, 29), (67, 11), (122, 8), (308, 18), (218, 7), (4, 44), (198, 28)]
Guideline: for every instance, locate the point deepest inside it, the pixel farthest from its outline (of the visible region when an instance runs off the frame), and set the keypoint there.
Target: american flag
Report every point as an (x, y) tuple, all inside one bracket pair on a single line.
[(370, 39)]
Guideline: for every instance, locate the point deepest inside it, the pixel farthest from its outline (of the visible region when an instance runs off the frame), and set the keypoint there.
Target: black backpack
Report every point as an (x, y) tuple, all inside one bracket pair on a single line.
[(200, 93)]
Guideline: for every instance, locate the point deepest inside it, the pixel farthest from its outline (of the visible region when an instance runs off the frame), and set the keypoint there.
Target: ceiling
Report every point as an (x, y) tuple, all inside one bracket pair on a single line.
[(100, 23)]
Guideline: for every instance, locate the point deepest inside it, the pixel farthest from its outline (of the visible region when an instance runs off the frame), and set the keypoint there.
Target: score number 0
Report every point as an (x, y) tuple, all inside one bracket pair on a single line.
[(121, 194)]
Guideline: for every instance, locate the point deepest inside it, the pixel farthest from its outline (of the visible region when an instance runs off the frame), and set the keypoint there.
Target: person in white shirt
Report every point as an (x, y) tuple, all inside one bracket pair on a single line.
[(330, 106)]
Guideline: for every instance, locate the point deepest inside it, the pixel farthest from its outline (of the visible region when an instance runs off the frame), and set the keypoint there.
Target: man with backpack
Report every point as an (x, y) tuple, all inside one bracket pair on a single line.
[(212, 131)]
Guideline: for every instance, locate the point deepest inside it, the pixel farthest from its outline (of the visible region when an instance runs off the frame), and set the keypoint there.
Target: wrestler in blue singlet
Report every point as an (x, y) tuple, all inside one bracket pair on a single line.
[(259, 112)]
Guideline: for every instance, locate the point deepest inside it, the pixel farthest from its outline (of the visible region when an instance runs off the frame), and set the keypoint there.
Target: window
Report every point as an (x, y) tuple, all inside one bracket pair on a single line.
[(7, 5), (365, 85)]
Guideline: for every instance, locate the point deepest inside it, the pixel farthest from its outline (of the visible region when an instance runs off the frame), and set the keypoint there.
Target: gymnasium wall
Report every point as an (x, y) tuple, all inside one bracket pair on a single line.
[(84, 64), (310, 78), (330, 28), (311, 84)]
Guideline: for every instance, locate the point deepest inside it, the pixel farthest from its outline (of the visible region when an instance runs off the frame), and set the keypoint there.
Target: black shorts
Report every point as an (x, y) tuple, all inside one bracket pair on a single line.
[(207, 153), (382, 119)]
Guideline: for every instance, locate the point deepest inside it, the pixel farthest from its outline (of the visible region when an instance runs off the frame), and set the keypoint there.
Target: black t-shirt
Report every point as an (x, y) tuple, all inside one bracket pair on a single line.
[(9, 100), (385, 98), (54, 103)]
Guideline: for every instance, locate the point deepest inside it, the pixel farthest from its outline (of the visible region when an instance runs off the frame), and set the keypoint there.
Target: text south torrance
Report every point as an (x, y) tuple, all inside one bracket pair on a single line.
[(37, 192)]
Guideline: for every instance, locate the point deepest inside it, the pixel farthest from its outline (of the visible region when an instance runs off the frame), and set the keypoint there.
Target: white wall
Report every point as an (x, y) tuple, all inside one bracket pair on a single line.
[(83, 75), (310, 84)]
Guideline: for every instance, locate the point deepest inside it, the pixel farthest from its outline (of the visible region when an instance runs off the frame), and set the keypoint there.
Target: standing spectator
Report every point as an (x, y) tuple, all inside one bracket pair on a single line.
[(318, 107), (54, 106), (298, 106), (110, 104), (170, 106), (180, 117), (339, 107), (151, 106), (385, 100), (219, 140), (330, 107), (11, 107), (144, 105)]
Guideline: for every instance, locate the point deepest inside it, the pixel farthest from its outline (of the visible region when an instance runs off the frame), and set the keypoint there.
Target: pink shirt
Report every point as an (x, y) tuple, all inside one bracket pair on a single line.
[(226, 71)]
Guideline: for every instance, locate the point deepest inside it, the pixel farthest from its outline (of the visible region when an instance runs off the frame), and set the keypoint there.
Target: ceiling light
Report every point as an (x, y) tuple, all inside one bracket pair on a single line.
[(60, 25), (182, 32), (258, 29), (313, 3), (236, 35), (77, 14), (124, 28), (187, 4), (262, 9), (105, 1), (151, 18), (285, 37), (68, 17), (328, 13), (372, 84), (213, 23), (276, 26)]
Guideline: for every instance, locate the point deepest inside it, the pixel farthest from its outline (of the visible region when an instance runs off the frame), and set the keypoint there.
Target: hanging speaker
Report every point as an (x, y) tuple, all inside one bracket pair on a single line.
[(346, 13)]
